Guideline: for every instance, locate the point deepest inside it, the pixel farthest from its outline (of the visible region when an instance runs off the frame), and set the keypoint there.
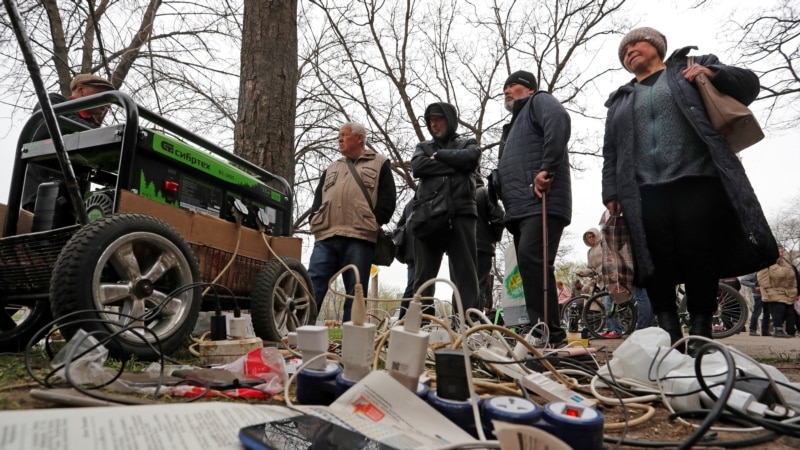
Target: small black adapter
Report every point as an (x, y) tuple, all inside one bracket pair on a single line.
[(451, 375)]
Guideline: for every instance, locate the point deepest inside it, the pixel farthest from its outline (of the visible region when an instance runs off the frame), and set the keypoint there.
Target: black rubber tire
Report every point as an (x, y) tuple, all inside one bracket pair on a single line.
[(564, 311), (19, 323), (594, 316), (730, 316), (279, 303), (128, 263)]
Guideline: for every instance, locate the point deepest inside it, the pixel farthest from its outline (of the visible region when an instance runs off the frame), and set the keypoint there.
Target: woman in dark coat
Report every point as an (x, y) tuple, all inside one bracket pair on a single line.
[(691, 210)]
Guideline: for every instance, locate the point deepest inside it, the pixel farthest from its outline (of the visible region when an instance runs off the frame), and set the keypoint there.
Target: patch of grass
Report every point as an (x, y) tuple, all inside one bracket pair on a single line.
[(334, 334), (779, 357)]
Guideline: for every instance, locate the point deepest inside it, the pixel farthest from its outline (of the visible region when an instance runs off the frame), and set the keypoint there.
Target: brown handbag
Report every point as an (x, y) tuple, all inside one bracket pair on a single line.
[(734, 121)]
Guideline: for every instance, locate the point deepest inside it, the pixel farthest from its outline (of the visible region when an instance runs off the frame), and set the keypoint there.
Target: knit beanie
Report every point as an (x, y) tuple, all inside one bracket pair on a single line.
[(522, 77), (647, 34)]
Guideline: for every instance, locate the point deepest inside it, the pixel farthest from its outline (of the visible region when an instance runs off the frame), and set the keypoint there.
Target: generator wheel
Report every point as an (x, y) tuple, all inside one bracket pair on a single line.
[(123, 268), (281, 300), (18, 324)]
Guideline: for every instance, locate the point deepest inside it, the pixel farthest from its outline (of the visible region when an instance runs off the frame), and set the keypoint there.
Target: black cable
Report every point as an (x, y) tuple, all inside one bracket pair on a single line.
[(721, 402), (139, 331)]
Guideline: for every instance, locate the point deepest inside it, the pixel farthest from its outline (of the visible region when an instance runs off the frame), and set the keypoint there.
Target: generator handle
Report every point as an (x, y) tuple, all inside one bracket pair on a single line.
[(35, 122)]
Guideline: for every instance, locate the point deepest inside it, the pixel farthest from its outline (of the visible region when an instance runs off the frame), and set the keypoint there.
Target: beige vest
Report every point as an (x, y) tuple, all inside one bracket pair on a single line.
[(344, 210)]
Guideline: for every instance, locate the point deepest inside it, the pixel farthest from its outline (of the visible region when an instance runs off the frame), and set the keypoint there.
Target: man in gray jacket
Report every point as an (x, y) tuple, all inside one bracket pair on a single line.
[(534, 176)]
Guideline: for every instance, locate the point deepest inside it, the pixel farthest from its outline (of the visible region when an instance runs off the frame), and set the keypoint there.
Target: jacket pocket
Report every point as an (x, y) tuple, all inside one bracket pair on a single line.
[(369, 177), (330, 180), (322, 218)]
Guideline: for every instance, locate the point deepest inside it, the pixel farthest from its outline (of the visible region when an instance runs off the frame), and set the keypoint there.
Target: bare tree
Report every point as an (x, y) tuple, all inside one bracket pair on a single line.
[(264, 131), (786, 226), (171, 56), (769, 42), (382, 62)]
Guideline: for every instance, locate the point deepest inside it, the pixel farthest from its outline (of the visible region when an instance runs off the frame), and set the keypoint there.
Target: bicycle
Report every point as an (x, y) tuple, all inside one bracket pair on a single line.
[(593, 315), (730, 316)]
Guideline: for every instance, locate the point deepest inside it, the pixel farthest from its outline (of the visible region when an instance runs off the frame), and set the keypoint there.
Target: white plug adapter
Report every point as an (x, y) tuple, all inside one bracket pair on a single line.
[(312, 340), (237, 327), (358, 350), (408, 348)]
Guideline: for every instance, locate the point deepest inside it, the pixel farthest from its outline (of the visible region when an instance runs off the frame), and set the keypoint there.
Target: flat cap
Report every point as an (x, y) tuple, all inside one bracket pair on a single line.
[(90, 80)]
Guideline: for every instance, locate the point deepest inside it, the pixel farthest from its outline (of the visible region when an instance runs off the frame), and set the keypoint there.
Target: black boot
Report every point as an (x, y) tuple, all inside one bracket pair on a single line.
[(699, 325), (669, 322)]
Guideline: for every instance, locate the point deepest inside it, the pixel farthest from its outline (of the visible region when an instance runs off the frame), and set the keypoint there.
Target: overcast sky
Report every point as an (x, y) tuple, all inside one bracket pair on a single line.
[(772, 165)]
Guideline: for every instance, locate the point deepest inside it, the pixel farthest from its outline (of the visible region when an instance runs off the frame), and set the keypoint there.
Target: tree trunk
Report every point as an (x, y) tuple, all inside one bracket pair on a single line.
[(264, 133)]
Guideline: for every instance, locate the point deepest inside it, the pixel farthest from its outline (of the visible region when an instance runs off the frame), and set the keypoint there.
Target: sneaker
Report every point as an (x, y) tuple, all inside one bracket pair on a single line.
[(780, 334), (753, 333), (610, 335), (766, 333)]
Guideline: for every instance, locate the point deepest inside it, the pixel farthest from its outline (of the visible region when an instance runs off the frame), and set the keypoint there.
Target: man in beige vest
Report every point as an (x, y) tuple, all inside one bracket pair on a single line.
[(344, 225)]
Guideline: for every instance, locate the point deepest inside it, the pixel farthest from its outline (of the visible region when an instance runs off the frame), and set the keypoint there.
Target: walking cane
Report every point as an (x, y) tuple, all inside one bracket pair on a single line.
[(544, 255)]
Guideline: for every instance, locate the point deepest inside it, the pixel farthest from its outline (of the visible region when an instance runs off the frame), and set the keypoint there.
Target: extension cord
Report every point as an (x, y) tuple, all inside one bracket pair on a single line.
[(554, 391), (511, 370), (226, 351)]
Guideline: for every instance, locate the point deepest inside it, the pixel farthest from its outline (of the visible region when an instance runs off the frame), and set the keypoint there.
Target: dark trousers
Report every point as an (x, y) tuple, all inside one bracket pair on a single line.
[(484, 288), (783, 312), (681, 221), (461, 248), (409, 292), (759, 309), (528, 241)]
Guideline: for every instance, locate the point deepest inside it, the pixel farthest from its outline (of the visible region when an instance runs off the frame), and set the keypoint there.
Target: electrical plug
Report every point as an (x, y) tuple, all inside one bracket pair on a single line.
[(357, 339), (408, 347), (312, 340)]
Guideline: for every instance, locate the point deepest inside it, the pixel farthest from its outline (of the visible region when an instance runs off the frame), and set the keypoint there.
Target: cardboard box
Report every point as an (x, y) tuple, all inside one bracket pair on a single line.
[(214, 241), (23, 224), (203, 229)]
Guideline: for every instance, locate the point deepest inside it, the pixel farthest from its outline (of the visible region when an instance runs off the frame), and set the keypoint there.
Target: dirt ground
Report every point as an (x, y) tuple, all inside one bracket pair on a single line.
[(784, 354)]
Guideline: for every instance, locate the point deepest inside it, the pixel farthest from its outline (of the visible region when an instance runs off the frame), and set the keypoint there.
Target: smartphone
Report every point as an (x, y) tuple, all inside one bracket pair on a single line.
[(305, 432), (217, 378)]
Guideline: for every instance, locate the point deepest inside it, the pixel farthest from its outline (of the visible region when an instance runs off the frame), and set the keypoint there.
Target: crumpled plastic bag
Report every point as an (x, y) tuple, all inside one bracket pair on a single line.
[(265, 363)]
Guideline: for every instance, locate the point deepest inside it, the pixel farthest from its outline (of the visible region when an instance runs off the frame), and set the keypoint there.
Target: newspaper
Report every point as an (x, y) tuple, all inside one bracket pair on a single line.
[(175, 426), (382, 409), (378, 407)]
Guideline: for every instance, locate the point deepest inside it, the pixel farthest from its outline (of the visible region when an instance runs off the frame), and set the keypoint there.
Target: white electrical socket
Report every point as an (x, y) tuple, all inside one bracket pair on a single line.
[(554, 391), (513, 371)]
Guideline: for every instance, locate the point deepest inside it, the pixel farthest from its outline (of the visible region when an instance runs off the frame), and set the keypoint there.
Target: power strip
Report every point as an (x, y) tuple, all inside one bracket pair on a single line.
[(554, 391), (504, 367)]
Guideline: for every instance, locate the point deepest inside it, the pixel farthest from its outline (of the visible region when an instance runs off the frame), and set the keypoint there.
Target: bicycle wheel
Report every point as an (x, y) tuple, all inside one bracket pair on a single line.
[(628, 314), (564, 309), (594, 315), (731, 313)]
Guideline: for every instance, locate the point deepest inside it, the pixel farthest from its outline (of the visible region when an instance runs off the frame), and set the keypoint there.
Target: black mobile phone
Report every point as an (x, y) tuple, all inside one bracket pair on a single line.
[(217, 378), (305, 432)]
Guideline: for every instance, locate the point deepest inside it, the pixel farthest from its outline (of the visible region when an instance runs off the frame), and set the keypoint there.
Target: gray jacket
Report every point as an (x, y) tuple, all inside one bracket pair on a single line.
[(535, 140)]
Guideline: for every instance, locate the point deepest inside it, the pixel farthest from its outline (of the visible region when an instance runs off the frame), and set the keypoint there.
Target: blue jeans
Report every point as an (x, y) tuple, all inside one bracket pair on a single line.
[(331, 255), (758, 309), (645, 317), (612, 323)]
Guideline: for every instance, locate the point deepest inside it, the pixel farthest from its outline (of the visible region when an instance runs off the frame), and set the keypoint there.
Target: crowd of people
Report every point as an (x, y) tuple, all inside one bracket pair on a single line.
[(693, 216), (691, 211)]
